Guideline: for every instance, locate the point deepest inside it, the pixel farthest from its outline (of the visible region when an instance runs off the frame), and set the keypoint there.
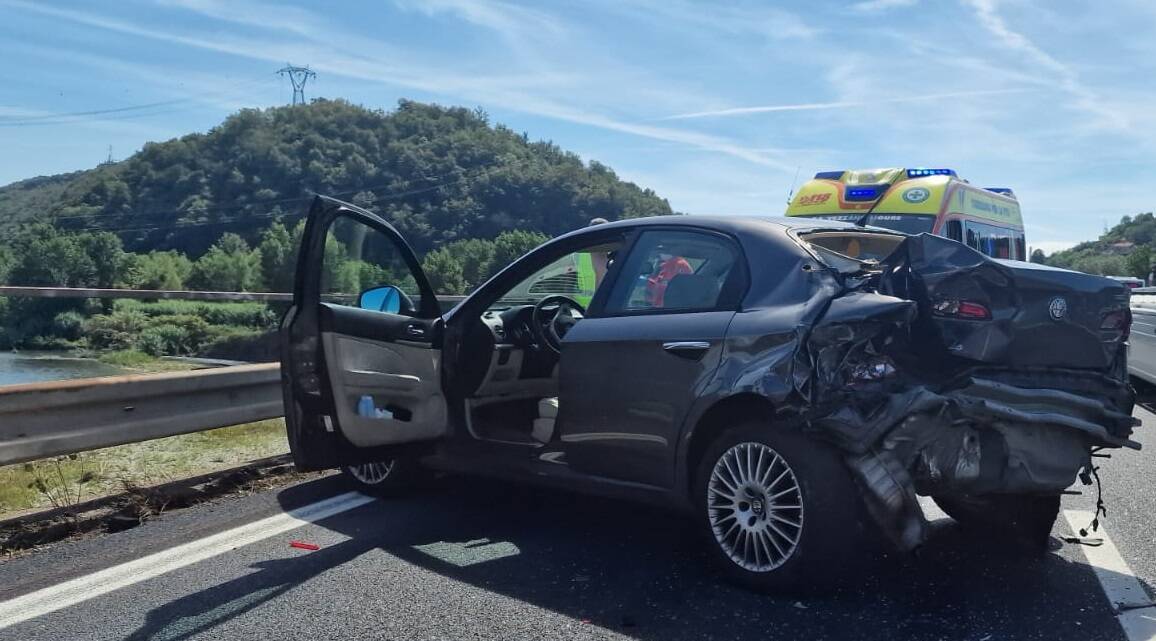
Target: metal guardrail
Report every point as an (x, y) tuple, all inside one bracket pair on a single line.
[(40, 420), (141, 294), (446, 301)]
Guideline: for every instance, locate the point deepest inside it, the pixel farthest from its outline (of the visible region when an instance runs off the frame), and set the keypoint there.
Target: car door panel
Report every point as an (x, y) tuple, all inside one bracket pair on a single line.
[(624, 392), (368, 355), (355, 379)]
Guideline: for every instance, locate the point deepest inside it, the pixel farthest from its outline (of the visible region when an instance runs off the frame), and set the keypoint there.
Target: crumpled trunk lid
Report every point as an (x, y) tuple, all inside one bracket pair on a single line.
[(1010, 398), (1036, 316)]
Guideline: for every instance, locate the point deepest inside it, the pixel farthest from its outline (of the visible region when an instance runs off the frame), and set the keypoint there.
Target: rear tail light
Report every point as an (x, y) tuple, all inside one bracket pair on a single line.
[(1119, 320), (962, 309)]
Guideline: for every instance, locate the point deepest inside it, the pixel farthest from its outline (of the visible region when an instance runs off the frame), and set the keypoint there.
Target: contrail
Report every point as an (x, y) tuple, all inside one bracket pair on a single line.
[(814, 106)]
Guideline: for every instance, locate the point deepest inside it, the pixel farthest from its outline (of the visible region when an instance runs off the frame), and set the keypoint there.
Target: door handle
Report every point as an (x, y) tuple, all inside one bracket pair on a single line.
[(687, 349), (414, 331)]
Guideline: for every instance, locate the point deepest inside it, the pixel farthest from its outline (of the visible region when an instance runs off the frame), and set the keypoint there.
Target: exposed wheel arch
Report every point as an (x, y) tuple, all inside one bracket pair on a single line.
[(717, 418)]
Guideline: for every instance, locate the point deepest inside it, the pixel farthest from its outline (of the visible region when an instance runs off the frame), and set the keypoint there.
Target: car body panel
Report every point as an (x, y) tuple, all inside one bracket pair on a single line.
[(850, 351)]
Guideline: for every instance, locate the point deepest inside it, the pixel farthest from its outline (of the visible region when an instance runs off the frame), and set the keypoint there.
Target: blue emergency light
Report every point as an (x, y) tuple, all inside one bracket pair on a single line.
[(1001, 190), (860, 194), (920, 173), (829, 175)]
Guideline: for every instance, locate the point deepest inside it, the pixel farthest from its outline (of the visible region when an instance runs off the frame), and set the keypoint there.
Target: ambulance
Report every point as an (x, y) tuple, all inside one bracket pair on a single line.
[(918, 201)]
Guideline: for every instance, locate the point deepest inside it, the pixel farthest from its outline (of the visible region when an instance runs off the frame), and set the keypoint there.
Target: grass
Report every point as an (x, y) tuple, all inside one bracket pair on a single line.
[(67, 480), (129, 358), (138, 362)]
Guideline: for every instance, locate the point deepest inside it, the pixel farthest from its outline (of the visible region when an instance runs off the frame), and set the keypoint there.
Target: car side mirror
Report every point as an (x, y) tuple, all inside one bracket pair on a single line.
[(387, 298)]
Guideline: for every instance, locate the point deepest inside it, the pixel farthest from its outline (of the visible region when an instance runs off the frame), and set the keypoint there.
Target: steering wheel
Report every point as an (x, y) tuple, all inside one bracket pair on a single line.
[(552, 317)]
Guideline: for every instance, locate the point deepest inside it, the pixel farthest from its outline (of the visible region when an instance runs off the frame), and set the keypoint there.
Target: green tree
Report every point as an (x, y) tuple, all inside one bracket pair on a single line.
[(444, 272), (161, 270), (1139, 262), (278, 258), (1101, 264), (229, 266), (476, 256), (512, 245), (53, 260), (111, 265), (1038, 256)]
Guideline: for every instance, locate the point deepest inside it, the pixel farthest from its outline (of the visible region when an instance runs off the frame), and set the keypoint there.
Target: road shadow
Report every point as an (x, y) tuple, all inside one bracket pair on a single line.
[(641, 572)]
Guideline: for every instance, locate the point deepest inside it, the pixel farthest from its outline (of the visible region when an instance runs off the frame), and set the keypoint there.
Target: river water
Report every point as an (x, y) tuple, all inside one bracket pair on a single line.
[(29, 367)]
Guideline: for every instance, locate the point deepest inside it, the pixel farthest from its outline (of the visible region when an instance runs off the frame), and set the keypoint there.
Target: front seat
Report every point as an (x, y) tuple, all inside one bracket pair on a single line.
[(693, 291)]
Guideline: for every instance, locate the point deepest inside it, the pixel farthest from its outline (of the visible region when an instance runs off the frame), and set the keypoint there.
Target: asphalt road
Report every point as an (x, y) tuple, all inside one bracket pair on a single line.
[(487, 560)]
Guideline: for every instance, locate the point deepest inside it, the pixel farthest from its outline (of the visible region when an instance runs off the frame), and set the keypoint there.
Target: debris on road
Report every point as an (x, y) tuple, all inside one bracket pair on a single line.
[(302, 545)]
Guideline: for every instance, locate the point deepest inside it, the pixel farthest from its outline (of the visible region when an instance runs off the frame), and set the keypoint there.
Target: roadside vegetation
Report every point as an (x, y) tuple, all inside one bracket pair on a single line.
[(67, 480), (1127, 249)]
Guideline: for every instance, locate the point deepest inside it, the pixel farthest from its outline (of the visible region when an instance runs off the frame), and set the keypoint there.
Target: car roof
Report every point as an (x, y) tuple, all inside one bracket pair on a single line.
[(739, 222)]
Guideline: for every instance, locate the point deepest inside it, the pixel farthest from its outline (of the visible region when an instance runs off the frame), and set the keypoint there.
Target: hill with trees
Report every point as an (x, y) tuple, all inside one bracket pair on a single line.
[(224, 211), (1127, 249), (439, 174)]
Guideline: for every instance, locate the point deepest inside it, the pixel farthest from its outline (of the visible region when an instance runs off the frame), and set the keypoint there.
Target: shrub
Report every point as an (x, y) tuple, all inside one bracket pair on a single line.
[(68, 325), (116, 331), (152, 342)]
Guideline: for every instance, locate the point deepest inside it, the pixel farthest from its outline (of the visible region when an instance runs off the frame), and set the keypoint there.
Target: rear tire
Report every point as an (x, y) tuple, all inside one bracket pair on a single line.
[(385, 478), (778, 509), (1028, 517)]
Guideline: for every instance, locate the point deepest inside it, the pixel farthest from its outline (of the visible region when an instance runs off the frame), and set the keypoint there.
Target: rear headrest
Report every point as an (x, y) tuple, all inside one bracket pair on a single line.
[(697, 291)]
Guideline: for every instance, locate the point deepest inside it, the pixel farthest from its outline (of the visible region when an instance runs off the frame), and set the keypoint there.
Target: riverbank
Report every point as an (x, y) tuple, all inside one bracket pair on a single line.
[(40, 366)]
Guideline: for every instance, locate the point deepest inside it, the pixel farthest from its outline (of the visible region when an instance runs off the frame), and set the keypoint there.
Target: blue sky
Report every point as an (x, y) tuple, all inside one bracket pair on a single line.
[(714, 105)]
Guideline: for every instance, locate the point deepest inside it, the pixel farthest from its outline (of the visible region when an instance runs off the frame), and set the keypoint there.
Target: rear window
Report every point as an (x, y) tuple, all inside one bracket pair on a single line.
[(906, 223), (858, 245)]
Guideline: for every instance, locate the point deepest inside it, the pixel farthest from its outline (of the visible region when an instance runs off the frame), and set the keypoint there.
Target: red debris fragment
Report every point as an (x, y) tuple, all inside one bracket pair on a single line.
[(302, 545)]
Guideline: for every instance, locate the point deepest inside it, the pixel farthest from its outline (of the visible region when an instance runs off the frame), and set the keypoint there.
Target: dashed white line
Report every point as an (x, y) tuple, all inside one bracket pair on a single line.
[(1135, 609), (69, 593)]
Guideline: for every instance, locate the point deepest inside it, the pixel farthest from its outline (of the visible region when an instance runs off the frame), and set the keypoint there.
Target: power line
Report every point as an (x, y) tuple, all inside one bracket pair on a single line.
[(298, 76), (124, 113)]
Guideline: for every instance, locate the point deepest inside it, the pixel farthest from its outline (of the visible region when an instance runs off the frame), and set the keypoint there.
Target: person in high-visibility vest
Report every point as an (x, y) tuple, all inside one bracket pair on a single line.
[(591, 269)]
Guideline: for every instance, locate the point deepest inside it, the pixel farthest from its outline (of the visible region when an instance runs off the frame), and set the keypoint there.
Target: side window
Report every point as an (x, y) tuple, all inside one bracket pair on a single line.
[(954, 230), (996, 242), (362, 267), (677, 271)]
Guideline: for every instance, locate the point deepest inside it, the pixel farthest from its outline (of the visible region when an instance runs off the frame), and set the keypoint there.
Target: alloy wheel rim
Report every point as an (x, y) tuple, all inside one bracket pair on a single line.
[(371, 473), (755, 507)]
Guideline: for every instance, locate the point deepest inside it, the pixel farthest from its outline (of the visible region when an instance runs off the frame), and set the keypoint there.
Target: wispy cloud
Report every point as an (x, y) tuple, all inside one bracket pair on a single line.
[(845, 104), (871, 6), (509, 20), (986, 12), (487, 90), (722, 18)]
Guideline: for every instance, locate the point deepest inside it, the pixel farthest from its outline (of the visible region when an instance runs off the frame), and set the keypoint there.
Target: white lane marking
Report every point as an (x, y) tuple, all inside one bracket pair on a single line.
[(69, 593), (1120, 584)]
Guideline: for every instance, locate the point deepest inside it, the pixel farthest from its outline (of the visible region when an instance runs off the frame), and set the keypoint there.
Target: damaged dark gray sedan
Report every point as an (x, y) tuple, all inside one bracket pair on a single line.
[(793, 384)]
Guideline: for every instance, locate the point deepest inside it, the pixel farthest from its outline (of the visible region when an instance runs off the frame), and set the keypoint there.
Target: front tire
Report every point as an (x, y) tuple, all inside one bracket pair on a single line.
[(779, 510), (384, 478)]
